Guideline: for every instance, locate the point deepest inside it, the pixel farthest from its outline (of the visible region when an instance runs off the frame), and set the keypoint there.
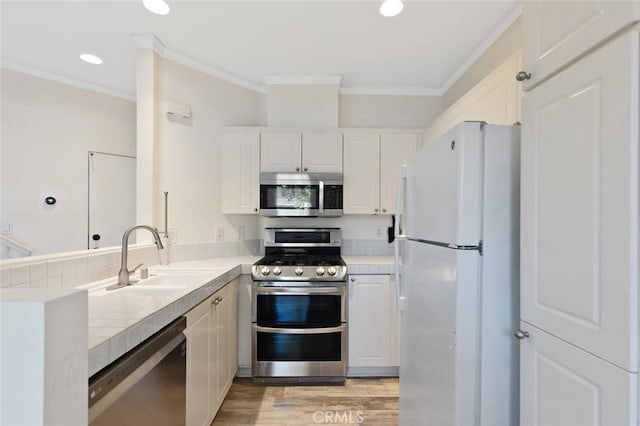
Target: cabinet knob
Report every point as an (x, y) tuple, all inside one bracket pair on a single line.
[(384, 210), (255, 210), (376, 210), (523, 75), (353, 280), (297, 169), (521, 335), (305, 169)]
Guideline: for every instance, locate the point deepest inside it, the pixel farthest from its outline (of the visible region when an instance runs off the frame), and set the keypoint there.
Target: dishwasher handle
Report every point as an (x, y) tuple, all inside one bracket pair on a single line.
[(163, 342)]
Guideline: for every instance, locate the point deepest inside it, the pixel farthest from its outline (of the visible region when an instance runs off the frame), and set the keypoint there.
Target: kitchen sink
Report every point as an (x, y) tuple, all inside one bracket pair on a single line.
[(158, 285)]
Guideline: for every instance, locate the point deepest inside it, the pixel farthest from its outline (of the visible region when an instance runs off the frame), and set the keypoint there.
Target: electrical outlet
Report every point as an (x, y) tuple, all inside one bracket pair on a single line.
[(379, 231), (5, 228), (219, 233), (173, 234), (240, 232)]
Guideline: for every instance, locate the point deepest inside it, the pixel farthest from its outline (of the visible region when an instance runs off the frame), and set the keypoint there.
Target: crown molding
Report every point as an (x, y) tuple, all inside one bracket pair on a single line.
[(391, 91), (148, 41), (482, 47), (70, 81), (303, 80)]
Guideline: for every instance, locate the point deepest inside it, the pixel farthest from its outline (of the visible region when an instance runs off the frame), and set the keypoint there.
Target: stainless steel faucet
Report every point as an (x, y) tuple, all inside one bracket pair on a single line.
[(123, 275)]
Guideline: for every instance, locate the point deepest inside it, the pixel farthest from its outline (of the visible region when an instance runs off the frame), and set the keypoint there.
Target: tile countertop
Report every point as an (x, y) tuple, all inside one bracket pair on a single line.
[(121, 319), (369, 264)]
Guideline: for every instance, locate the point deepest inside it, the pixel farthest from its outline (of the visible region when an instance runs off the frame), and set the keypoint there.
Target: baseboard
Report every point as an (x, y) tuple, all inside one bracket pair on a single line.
[(373, 371), (243, 372)]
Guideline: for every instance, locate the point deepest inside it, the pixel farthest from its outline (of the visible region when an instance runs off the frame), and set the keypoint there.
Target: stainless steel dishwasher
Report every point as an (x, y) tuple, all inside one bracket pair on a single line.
[(147, 386)]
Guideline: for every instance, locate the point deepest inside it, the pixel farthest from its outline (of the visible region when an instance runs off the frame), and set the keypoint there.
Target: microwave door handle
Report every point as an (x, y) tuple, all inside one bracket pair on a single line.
[(321, 201)]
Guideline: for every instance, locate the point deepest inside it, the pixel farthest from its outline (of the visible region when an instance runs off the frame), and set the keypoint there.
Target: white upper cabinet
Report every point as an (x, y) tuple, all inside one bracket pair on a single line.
[(281, 152), (372, 170), (558, 32), (322, 152), (297, 152), (241, 172), (394, 150), (495, 98), (579, 227), (361, 173)]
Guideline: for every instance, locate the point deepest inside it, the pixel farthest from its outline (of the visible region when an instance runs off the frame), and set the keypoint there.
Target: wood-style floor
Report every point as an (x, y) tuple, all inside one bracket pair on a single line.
[(358, 402)]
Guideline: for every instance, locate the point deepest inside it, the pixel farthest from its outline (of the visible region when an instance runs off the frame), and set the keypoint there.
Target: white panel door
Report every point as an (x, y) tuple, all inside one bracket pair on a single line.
[(112, 198), (557, 32), (394, 150), (199, 366), (241, 173), (322, 152), (369, 321), (579, 229), (563, 385), (361, 174), (281, 152)]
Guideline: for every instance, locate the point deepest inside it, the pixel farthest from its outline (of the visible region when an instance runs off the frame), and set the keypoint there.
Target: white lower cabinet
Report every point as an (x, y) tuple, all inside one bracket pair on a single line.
[(212, 353), (374, 326), (562, 385)]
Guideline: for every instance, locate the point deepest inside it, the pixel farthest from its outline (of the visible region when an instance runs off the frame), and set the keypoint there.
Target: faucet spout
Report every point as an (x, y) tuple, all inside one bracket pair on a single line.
[(123, 274)]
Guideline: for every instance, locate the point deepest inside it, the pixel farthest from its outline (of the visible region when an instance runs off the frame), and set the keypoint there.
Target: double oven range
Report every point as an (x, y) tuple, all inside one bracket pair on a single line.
[(299, 312)]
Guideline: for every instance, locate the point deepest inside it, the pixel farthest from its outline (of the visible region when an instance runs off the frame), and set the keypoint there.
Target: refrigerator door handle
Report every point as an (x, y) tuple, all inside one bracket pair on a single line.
[(398, 236)]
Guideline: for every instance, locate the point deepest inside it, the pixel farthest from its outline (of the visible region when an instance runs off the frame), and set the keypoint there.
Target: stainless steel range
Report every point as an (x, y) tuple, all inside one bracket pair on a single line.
[(299, 321)]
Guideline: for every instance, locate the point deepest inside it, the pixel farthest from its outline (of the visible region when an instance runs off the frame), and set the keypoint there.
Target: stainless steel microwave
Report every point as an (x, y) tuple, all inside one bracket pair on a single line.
[(301, 194)]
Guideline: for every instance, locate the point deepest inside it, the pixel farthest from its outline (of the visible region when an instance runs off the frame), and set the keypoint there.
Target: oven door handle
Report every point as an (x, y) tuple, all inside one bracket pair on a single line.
[(321, 198), (323, 330), (299, 291)]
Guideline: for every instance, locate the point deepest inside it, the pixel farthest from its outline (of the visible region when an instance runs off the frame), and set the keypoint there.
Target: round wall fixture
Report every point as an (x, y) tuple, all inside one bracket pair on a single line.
[(50, 200)]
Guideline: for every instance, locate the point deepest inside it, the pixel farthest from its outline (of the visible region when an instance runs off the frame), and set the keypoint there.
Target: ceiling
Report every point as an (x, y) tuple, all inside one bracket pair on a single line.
[(420, 51)]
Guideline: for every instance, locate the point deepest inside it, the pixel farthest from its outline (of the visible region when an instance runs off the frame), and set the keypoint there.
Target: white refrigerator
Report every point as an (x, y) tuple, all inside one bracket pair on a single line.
[(457, 266)]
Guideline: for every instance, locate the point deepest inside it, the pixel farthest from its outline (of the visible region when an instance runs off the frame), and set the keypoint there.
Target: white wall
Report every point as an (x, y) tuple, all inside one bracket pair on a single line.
[(376, 111), (47, 130), (506, 45), (188, 156), (302, 105)]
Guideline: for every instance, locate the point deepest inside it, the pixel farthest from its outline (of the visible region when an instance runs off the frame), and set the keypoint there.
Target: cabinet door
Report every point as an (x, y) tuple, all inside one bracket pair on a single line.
[(361, 174), (233, 329), (579, 223), (241, 173), (558, 32), (280, 152), (394, 325), (369, 321), (198, 334), (455, 114), (322, 152), (564, 385), (495, 98), (394, 150)]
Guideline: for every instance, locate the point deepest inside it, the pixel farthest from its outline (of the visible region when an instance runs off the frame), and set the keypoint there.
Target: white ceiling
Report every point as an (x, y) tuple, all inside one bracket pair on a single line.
[(421, 51)]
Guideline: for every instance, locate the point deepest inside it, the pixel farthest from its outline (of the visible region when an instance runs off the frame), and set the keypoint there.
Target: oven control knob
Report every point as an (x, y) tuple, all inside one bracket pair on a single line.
[(320, 271), (265, 270), (331, 271), (298, 271), (277, 270)]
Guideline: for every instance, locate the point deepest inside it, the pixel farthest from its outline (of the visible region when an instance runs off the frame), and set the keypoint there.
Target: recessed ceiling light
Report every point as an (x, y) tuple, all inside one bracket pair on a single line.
[(92, 59), (391, 8), (159, 7)]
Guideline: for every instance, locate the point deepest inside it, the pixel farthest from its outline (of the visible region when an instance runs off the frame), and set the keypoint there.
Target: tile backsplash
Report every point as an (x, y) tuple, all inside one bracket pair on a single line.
[(79, 268)]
